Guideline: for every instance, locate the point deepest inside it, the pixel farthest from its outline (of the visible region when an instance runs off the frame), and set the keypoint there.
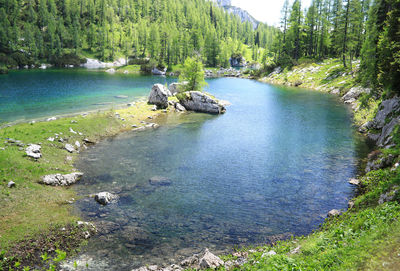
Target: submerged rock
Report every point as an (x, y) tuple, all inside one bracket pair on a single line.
[(159, 96), (62, 180), (160, 181), (201, 102), (105, 198), (33, 151)]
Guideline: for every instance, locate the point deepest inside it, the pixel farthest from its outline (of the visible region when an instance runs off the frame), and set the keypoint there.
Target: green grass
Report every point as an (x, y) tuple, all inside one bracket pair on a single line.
[(31, 208), (130, 69)]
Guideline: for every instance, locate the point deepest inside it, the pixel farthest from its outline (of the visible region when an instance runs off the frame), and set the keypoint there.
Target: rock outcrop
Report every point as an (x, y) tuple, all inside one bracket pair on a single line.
[(201, 102), (159, 96), (354, 93), (386, 119), (33, 151), (62, 180)]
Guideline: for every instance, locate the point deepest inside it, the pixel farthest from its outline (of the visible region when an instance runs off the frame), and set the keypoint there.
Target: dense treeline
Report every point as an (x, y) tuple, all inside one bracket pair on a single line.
[(347, 29), (167, 31)]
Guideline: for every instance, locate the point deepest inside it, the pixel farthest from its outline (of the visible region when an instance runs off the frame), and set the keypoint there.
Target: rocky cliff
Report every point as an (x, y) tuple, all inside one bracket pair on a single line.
[(243, 14)]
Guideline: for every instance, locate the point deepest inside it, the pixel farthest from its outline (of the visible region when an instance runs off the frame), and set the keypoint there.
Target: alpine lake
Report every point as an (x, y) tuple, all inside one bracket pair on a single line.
[(272, 166)]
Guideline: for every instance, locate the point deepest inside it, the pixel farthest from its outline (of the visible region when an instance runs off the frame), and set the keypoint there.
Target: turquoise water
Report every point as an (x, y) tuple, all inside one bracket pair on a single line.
[(272, 166), (32, 94)]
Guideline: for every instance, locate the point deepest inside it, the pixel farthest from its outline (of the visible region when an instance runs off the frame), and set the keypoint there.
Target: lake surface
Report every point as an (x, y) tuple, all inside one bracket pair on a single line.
[(273, 165), (31, 94)]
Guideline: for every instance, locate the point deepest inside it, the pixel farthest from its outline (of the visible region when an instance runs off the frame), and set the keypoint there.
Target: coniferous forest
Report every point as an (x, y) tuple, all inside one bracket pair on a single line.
[(169, 31)]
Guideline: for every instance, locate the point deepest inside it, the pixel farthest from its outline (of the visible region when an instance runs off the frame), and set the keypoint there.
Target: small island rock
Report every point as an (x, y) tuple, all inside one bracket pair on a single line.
[(201, 102)]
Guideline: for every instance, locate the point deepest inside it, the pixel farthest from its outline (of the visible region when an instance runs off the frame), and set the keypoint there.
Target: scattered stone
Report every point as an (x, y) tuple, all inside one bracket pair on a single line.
[(350, 204), (354, 181), (334, 213), (77, 144), (159, 96), (295, 251), (72, 131), (88, 141), (33, 151), (105, 198), (134, 126), (154, 108), (62, 180), (51, 139), (69, 148), (11, 184), (269, 253), (150, 117), (160, 181), (74, 121), (110, 70), (51, 119), (202, 261), (32, 122)]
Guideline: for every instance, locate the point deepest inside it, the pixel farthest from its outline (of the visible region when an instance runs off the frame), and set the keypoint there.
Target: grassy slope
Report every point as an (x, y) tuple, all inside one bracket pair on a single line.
[(30, 207), (365, 237)]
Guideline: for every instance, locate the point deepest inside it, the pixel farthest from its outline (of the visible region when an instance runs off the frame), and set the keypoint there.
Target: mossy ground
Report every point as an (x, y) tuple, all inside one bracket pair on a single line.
[(30, 208)]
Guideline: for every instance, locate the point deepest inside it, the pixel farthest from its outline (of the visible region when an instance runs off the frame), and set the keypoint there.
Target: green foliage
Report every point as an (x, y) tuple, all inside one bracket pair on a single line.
[(167, 31), (193, 74)]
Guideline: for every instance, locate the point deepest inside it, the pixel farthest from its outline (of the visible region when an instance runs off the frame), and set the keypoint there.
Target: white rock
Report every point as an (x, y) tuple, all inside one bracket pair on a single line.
[(62, 180), (269, 253), (77, 144), (72, 131), (105, 198), (11, 184), (51, 119), (33, 151), (69, 148)]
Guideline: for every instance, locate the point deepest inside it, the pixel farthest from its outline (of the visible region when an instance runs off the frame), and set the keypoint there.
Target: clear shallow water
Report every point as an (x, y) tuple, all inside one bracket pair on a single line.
[(31, 94), (274, 164)]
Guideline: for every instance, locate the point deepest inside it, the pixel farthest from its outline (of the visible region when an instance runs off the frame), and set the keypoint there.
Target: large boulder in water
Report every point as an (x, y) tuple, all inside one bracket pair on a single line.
[(200, 102), (159, 96)]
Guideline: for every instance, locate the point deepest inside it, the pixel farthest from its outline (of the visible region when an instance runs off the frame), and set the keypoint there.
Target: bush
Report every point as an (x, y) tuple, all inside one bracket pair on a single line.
[(148, 67), (3, 70), (20, 59), (67, 59)]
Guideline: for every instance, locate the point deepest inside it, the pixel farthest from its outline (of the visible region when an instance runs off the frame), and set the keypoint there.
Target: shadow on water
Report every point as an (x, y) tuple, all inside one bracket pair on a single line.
[(273, 165)]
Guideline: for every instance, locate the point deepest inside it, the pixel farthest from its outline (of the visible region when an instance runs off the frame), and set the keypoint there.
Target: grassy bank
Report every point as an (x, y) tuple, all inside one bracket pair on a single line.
[(364, 237), (29, 208)]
